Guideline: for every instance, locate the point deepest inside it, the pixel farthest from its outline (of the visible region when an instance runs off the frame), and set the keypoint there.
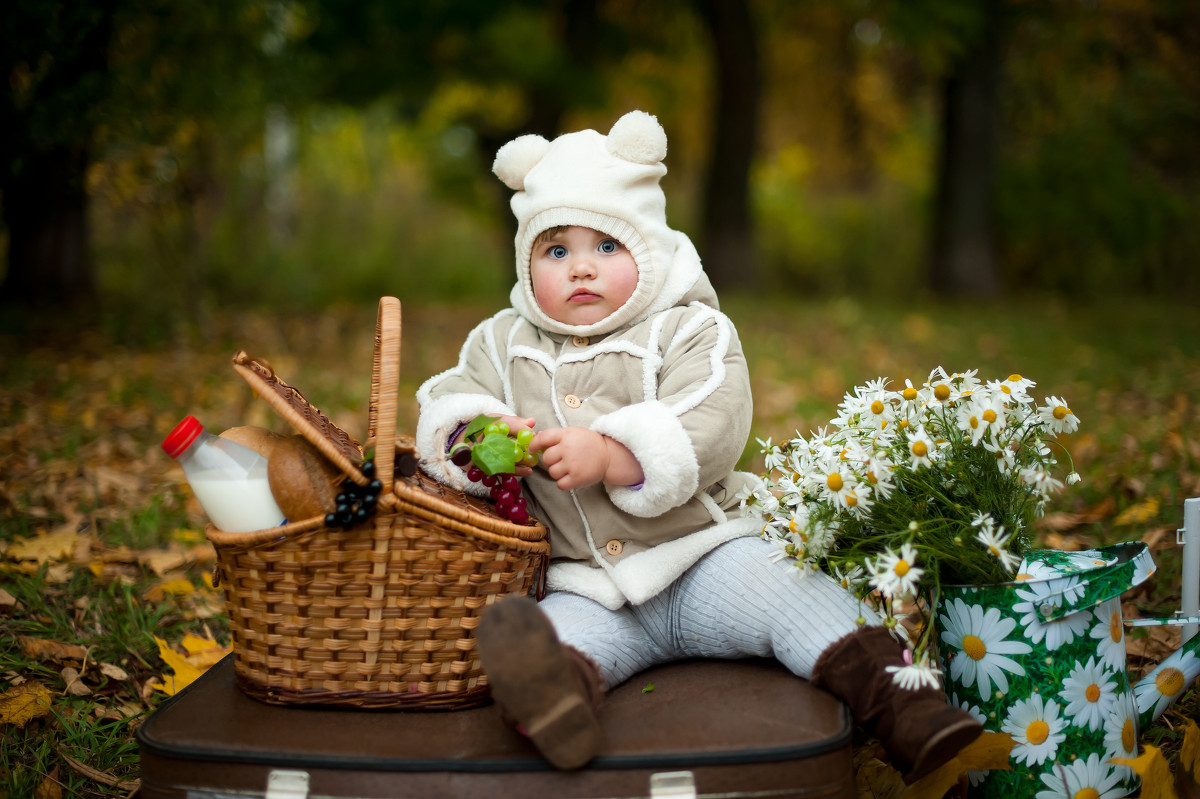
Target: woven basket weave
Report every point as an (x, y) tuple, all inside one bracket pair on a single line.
[(381, 615)]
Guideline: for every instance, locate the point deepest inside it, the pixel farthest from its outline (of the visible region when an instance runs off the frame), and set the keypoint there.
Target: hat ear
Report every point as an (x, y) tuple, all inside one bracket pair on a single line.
[(638, 137), (515, 159)]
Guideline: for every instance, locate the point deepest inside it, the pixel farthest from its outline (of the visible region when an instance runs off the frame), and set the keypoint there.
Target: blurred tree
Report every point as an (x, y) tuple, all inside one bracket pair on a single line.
[(727, 237), (55, 56)]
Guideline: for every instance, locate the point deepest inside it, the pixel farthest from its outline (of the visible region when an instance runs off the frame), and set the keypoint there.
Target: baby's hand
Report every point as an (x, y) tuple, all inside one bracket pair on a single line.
[(577, 457)]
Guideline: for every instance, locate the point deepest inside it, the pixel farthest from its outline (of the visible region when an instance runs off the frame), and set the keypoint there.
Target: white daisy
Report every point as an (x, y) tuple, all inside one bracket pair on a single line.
[(878, 474), (1109, 633), (921, 448), (1059, 631), (1040, 480), (996, 543), (1164, 685), (896, 574), (1089, 693), (1057, 417), (913, 676), (970, 419), (1036, 728), (1121, 730), (1015, 387), (1092, 778), (979, 639)]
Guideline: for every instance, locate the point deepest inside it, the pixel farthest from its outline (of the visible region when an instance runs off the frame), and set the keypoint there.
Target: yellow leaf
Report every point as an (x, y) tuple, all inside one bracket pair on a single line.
[(204, 652), (988, 752), (1154, 770), (1140, 513), (49, 788), (46, 547), (1189, 753), (185, 673), (22, 703)]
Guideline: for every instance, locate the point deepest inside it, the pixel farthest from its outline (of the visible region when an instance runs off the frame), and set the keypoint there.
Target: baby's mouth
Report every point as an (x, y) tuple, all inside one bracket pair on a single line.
[(583, 295)]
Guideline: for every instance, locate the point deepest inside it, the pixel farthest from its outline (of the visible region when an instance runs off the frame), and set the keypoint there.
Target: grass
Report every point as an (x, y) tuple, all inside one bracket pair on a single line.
[(82, 412)]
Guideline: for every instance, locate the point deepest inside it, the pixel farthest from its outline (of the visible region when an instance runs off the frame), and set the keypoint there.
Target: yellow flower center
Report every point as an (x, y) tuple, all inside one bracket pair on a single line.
[(910, 394), (1014, 378), (1086, 793), (942, 392), (1006, 389), (919, 449), (994, 550), (876, 407), (901, 568), (1092, 693), (989, 416), (851, 500), (1115, 631), (974, 422), (1037, 732), (871, 478), (974, 647), (903, 423), (1060, 412), (1169, 681), (1128, 736), (834, 481)]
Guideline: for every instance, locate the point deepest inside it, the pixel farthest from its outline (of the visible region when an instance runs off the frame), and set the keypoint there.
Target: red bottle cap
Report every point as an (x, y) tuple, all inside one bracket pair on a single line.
[(182, 436)]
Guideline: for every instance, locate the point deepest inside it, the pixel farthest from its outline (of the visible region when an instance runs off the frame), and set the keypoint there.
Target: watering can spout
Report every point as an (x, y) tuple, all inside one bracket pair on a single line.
[(1169, 679)]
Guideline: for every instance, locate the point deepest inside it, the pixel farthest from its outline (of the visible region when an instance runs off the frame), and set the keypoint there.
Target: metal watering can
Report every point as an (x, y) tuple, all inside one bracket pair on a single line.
[(1043, 658)]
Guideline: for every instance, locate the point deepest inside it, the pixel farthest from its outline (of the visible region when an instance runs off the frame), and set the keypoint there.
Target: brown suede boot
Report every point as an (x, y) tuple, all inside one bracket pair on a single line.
[(548, 689), (919, 730)]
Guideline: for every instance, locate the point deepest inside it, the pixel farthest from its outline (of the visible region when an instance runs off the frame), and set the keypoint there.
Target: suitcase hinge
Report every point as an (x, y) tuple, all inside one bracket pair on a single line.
[(285, 784), (673, 785)]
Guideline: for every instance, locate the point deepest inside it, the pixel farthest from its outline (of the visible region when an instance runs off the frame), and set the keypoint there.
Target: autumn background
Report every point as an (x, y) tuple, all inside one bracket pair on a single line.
[(877, 187)]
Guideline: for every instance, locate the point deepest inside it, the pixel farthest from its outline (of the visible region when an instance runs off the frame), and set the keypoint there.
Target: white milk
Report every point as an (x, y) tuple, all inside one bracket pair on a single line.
[(237, 505)]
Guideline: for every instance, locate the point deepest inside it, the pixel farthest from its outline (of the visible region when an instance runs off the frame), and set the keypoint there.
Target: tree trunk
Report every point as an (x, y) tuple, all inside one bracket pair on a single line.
[(47, 122), (963, 258), (727, 239)]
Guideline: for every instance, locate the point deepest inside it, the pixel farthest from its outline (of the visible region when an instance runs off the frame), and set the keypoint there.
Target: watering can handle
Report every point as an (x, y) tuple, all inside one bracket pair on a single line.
[(1131, 564), (1172, 620)]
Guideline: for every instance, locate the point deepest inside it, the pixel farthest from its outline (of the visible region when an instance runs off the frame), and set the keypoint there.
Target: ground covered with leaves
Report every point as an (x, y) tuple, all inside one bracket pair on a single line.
[(106, 599)]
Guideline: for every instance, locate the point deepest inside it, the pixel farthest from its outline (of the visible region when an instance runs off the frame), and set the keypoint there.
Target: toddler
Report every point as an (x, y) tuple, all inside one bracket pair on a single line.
[(616, 354)]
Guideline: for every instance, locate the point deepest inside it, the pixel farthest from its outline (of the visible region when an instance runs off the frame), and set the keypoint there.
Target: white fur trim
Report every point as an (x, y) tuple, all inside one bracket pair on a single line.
[(586, 581), (656, 437), (438, 420), (641, 577), (515, 159), (638, 137)]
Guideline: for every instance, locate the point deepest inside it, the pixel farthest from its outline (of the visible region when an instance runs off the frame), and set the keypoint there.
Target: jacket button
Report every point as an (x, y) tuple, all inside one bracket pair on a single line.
[(614, 547), (572, 401), (580, 341)]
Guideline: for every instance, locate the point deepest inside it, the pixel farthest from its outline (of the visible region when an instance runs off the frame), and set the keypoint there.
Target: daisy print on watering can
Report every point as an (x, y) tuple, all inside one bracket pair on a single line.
[(1043, 659)]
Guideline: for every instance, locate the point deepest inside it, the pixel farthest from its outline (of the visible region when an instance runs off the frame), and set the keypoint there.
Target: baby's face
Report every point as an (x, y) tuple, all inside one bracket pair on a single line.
[(580, 276)]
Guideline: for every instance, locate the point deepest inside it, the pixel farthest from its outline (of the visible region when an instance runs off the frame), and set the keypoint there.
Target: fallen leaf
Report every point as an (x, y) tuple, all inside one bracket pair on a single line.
[(202, 653), (57, 545), (8, 601), (75, 686), (1154, 770), (46, 649), (22, 703), (1139, 513), (875, 779), (175, 587), (1187, 777), (49, 788), (113, 672), (102, 777), (988, 752)]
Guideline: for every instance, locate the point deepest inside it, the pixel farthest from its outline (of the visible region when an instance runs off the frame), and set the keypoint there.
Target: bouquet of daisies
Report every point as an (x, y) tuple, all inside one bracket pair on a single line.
[(913, 488)]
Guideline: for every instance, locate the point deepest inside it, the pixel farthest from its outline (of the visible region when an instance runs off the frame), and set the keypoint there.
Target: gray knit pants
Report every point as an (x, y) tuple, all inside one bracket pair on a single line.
[(734, 602)]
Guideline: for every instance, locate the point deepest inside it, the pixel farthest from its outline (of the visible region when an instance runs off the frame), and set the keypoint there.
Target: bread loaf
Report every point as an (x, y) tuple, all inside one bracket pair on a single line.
[(259, 439), (302, 480)]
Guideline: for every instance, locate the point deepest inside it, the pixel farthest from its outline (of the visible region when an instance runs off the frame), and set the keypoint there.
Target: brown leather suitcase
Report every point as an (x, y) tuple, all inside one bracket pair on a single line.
[(744, 728)]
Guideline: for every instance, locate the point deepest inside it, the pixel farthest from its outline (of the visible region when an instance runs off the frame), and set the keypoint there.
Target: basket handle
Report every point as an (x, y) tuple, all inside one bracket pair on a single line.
[(385, 385)]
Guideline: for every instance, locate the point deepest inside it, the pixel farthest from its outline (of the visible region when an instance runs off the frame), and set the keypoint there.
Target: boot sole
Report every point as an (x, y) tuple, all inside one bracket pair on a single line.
[(941, 749), (529, 675)]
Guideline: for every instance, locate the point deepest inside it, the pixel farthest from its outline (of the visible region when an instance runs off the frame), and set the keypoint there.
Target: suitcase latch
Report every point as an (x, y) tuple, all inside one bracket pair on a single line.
[(673, 785), (287, 784)]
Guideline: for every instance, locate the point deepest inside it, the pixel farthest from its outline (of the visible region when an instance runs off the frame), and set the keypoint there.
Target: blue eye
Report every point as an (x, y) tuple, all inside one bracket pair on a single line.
[(609, 246), (558, 251)]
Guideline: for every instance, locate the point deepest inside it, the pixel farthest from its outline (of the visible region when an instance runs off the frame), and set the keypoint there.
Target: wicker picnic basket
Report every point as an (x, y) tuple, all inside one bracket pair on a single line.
[(380, 615)]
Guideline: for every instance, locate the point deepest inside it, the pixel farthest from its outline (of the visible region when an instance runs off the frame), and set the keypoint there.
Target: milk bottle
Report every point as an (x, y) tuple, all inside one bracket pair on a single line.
[(228, 479)]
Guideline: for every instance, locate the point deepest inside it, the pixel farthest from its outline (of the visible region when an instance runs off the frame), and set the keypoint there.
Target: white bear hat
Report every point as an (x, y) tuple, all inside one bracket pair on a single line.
[(610, 184)]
